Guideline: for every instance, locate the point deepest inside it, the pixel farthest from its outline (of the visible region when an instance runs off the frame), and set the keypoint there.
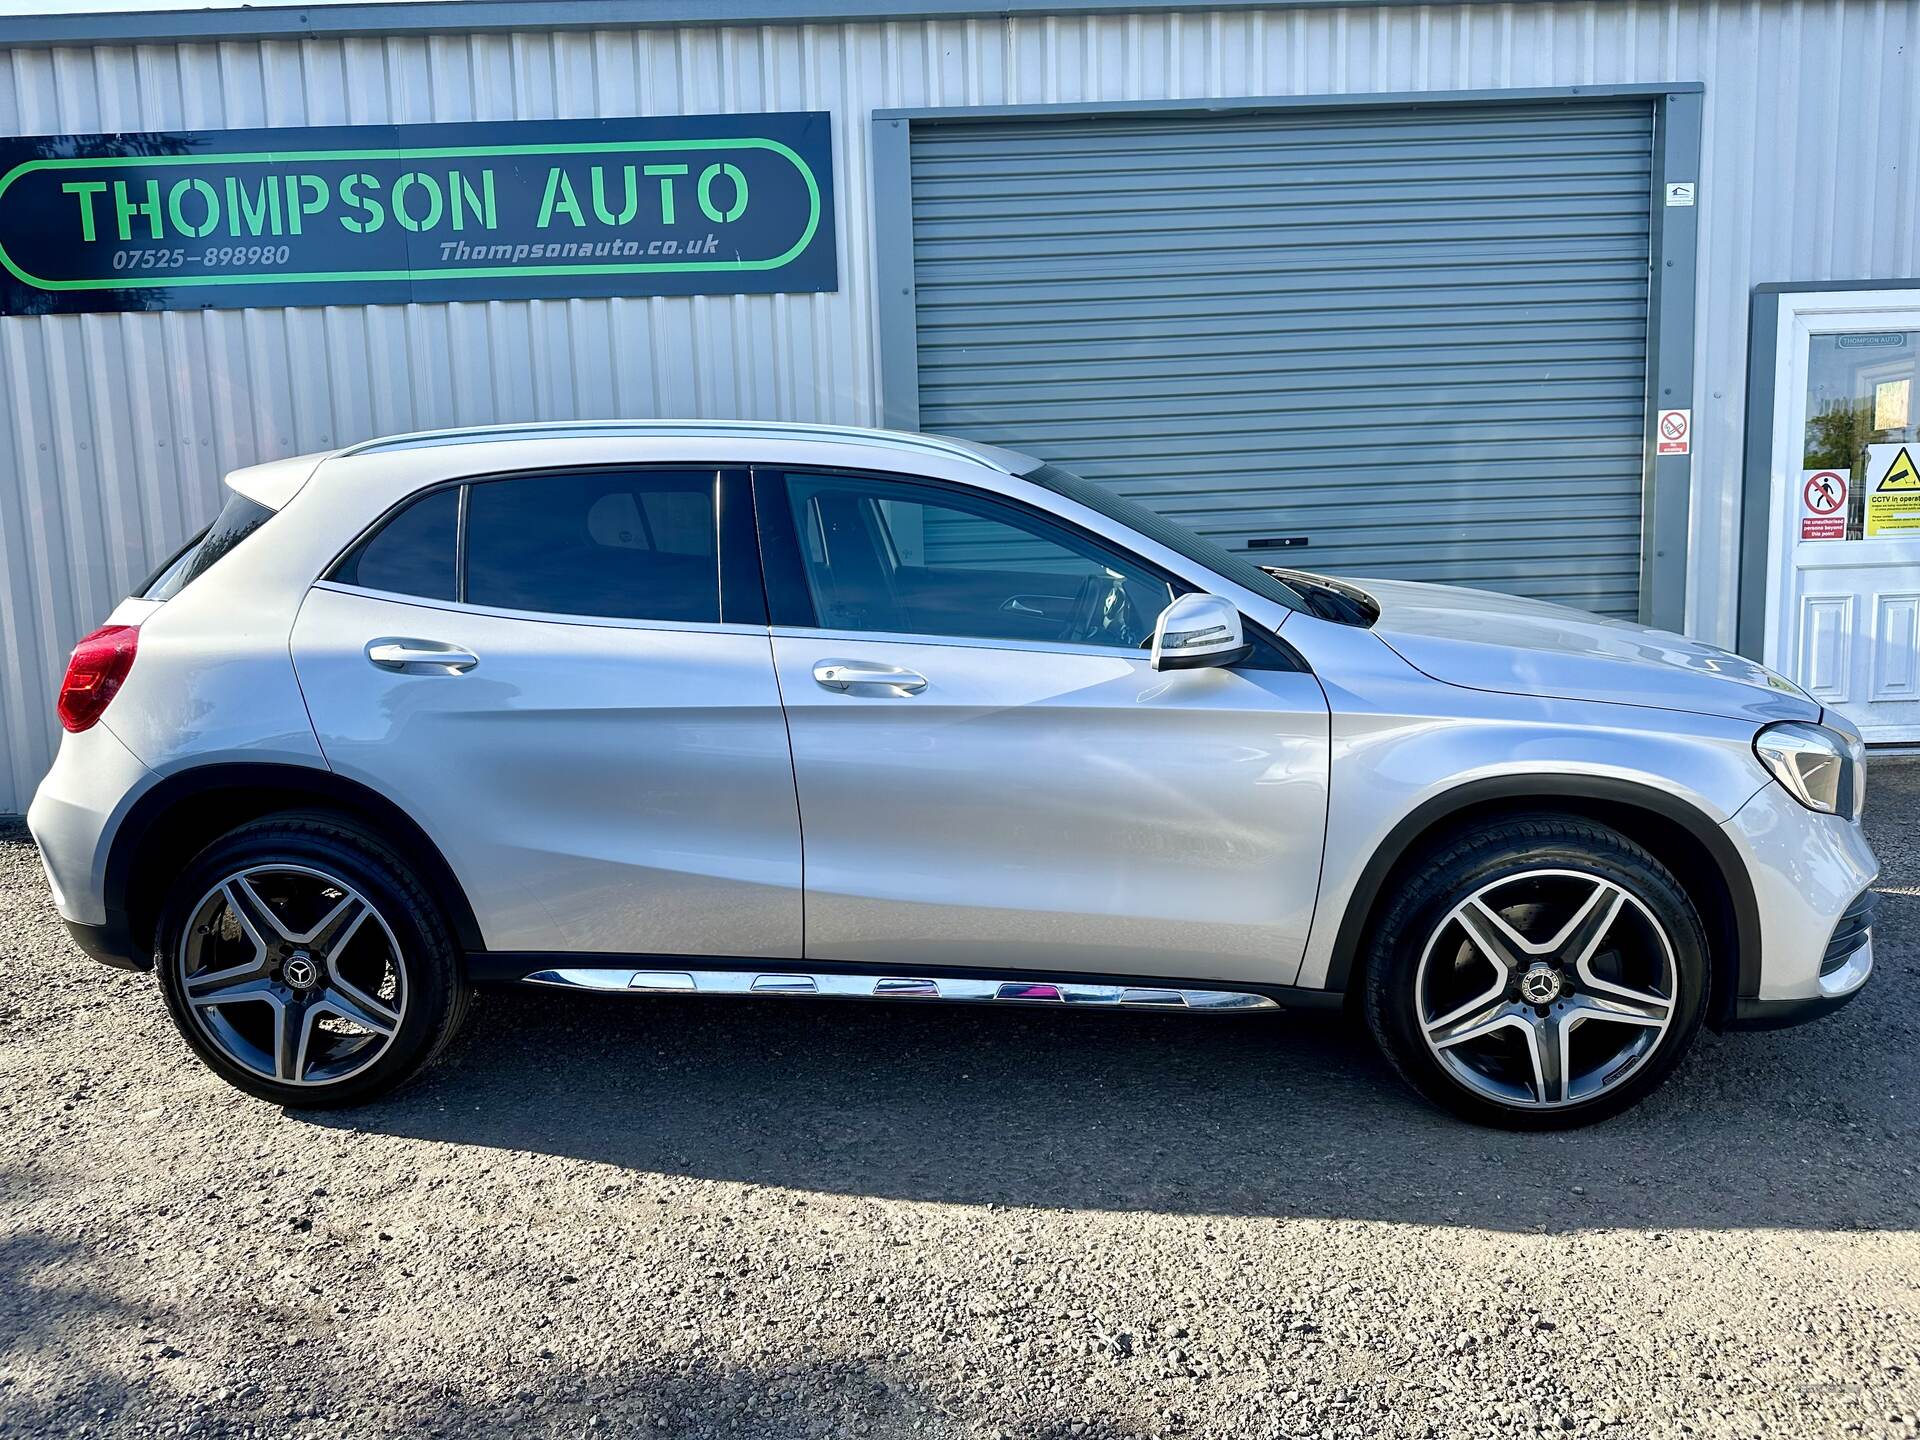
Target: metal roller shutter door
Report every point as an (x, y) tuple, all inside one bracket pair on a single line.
[(1416, 337)]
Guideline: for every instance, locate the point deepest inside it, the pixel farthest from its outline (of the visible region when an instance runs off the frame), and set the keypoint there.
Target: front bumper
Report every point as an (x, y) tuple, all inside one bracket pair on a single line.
[(1811, 875), (1844, 972)]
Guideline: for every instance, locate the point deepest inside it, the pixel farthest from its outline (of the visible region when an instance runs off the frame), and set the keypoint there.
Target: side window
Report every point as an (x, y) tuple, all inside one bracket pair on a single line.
[(413, 553), (899, 557), (237, 519), (633, 546)]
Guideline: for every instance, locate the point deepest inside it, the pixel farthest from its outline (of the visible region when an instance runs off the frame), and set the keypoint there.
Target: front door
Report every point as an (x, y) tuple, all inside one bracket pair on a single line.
[(1844, 592), (990, 772), (591, 739)]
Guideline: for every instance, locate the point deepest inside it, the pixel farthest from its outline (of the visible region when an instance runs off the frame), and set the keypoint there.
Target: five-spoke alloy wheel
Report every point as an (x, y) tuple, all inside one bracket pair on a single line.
[(1554, 1016), (1540, 971), (293, 973), (305, 962)]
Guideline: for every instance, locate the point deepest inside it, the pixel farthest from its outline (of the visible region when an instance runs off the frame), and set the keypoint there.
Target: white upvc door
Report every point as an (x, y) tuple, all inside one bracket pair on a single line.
[(1843, 582)]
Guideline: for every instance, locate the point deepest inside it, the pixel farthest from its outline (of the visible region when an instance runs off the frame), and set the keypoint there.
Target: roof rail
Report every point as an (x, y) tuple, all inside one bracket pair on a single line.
[(1011, 461)]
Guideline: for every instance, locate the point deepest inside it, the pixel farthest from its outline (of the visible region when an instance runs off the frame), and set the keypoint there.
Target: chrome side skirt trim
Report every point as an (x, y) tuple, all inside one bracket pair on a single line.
[(895, 987)]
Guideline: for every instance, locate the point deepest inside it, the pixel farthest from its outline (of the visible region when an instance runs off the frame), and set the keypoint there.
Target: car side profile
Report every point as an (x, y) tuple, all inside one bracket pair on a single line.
[(789, 711)]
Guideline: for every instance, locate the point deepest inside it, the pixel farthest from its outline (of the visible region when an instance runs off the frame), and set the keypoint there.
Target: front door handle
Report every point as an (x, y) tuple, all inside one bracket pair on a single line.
[(845, 675), (421, 657)]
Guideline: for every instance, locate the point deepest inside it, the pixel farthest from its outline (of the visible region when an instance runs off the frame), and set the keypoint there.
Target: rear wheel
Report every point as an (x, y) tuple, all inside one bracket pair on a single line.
[(306, 964), (1537, 973)]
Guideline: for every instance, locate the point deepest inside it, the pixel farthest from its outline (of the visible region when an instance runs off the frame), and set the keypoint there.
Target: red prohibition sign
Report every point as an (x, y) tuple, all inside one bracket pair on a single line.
[(1673, 426), (1826, 491)]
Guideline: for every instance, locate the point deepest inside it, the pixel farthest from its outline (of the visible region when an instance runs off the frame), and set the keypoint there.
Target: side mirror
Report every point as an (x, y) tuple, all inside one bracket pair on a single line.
[(1196, 631)]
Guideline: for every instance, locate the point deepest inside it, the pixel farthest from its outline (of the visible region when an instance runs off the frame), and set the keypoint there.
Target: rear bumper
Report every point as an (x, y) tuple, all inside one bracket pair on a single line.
[(108, 944), (73, 817)]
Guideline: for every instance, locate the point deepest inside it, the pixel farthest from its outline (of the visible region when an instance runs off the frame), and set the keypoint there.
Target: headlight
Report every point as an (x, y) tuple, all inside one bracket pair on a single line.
[(1823, 769)]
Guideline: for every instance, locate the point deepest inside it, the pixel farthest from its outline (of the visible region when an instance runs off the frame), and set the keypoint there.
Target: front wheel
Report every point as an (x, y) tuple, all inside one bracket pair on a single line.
[(1537, 973), (305, 964)]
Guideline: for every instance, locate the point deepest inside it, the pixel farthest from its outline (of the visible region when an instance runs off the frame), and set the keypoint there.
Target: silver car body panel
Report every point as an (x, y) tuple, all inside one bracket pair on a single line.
[(1057, 810), (1486, 641), (618, 786)]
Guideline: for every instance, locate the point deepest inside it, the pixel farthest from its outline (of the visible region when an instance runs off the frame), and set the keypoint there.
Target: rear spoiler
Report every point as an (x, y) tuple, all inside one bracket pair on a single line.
[(276, 482)]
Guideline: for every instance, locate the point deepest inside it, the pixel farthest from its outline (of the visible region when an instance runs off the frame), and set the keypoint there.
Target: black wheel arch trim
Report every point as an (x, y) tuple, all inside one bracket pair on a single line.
[(1543, 791), (297, 784)]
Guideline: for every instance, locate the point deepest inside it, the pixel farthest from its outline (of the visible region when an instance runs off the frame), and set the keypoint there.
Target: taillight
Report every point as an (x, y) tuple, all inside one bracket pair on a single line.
[(95, 673)]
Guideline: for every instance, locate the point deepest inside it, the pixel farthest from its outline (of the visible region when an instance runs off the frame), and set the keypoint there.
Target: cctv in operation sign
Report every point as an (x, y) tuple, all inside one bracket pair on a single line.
[(381, 214)]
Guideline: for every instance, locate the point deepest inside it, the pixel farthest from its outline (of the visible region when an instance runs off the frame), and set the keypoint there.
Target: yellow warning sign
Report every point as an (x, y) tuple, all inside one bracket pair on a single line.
[(1893, 491), (1903, 474)]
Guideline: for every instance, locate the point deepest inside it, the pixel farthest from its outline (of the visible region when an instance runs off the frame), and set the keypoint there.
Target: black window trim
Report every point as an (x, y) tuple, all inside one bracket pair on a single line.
[(790, 600), (742, 592)]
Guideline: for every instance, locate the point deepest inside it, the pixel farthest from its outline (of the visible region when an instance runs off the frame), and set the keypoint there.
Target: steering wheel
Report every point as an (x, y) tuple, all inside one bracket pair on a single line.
[(1103, 613)]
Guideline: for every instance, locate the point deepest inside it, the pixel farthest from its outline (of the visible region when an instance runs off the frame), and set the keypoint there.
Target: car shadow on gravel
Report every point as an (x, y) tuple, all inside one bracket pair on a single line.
[(1288, 1116)]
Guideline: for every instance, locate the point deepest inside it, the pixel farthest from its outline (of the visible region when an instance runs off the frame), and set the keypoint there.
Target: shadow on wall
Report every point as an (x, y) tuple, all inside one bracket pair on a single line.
[(1295, 1116)]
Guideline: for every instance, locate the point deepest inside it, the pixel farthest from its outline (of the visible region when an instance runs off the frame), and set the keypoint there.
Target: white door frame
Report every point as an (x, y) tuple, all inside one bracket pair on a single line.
[(1797, 317)]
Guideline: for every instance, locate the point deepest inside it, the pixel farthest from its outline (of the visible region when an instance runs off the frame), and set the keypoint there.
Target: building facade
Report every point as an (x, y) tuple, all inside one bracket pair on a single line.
[(1544, 297)]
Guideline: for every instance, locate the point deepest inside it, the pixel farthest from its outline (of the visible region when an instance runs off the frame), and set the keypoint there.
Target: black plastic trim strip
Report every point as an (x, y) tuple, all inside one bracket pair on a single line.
[(1751, 1014), (1542, 791)]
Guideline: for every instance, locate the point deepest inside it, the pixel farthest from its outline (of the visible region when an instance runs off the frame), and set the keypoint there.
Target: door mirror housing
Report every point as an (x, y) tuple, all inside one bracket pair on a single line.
[(1197, 631)]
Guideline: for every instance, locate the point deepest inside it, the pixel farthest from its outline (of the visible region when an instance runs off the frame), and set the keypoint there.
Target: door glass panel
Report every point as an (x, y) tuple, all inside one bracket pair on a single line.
[(893, 557), (635, 546), (1862, 390)]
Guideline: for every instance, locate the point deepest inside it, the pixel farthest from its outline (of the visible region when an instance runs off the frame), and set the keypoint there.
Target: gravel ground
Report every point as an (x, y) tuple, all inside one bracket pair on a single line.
[(669, 1218)]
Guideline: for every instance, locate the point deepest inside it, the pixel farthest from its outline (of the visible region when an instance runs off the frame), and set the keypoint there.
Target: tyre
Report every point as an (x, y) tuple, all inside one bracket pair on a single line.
[(305, 964), (1537, 973)]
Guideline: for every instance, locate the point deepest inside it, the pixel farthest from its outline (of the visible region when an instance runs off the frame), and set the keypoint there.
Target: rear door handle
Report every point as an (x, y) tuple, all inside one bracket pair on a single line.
[(421, 657), (844, 675)]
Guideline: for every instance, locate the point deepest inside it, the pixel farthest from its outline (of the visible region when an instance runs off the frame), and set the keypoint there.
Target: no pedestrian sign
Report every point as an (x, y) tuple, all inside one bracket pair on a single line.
[(1823, 505), (1673, 435)]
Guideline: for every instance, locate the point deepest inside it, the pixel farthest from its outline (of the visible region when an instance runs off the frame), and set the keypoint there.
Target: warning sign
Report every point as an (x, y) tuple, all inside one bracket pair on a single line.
[(1674, 433), (1823, 505), (1893, 490)]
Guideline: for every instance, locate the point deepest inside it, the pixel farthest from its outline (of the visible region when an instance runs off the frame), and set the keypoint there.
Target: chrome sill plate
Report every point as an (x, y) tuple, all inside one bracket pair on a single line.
[(896, 987)]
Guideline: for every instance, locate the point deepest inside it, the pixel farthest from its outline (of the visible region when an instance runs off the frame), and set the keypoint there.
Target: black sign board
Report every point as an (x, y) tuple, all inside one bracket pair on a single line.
[(377, 214)]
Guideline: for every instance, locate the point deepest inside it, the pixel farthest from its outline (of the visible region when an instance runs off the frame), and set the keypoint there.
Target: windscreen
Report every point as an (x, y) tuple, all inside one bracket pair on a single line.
[(1161, 530)]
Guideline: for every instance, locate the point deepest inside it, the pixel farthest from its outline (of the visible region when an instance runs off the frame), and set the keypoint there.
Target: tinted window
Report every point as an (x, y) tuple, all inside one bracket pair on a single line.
[(238, 519), (635, 546), (413, 553), (897, 557)]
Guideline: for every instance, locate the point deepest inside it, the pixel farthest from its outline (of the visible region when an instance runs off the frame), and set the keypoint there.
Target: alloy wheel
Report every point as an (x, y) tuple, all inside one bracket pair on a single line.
[(1546, 988), (293, 973)]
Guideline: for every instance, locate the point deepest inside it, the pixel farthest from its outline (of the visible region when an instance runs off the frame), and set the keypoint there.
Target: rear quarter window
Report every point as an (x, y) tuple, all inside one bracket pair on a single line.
[(237, 519)]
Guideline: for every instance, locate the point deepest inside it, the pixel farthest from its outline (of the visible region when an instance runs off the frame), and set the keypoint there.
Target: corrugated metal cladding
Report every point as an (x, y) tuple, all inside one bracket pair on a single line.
[(1417, 338), (116, 426)]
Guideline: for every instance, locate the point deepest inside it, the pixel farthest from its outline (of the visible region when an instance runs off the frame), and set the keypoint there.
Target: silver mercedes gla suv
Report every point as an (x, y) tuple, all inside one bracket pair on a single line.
[(728, 709)]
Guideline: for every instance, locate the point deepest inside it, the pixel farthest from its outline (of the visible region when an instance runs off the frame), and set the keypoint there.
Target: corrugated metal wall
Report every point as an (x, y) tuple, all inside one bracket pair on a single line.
[(1413, 338), (115, 427)]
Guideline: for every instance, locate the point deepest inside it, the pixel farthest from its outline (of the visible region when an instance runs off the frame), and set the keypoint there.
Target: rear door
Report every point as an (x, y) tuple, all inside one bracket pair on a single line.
[(565, 678), (991, 774)]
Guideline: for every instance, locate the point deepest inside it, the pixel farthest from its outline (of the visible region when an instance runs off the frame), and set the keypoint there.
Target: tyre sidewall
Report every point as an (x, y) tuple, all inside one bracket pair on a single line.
[(434, 984)]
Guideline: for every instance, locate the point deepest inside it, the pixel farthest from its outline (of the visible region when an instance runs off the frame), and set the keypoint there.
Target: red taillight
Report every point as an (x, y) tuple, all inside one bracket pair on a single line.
[(95, 673)]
